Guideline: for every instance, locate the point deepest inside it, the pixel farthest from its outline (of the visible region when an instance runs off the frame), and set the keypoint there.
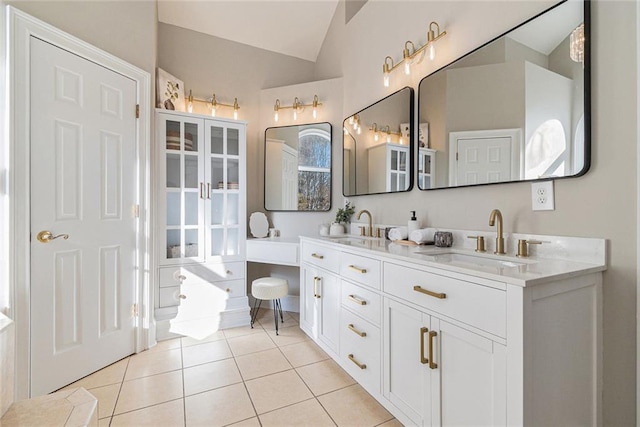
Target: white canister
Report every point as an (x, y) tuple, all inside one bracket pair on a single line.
[(336, 229), (323, 229)]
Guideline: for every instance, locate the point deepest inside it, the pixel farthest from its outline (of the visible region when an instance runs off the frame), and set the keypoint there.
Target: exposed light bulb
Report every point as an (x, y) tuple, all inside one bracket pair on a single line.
[(346, 132), (385, 79), (295, 114), (407, 67), (275, 116), (432, 52), (400, 141), (388, 138), (190, 102), (359, 130), (213, 112), (236, 107), (351, 120), (315, 113), (375, 136), (235, 114)]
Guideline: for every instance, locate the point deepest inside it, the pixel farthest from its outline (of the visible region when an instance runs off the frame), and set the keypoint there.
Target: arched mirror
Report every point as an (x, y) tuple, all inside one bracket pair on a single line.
[(297, 168), (515, 109), (377, 150)]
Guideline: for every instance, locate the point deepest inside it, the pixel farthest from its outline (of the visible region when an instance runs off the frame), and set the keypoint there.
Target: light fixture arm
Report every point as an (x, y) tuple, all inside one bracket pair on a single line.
[(297, 104)]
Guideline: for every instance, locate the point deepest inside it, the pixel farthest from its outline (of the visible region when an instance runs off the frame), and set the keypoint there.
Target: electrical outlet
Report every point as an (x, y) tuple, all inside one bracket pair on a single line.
[(542, 198)]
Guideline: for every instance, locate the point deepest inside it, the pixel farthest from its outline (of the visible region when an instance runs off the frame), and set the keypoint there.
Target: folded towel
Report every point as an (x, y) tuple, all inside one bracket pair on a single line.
[(398, 233), (422, 235)]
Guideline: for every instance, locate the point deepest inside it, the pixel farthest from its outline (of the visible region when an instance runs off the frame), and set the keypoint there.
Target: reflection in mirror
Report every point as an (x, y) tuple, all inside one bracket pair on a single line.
[(377, 151), (515, 109), (297, 168)]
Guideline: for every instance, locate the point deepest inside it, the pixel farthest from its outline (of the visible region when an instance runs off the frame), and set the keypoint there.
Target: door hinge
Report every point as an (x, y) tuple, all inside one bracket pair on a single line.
[(134, 310), (137, 111), (136, 211)]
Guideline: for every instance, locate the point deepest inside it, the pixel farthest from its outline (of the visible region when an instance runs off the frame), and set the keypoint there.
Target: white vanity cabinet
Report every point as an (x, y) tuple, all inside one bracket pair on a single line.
[(320, 294), (200, 219), (457, 346), (440, 372)]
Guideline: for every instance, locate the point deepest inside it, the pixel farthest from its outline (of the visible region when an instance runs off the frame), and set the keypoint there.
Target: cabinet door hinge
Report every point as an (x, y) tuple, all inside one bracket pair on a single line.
[(136, 211), (137, 111), (134, 310)]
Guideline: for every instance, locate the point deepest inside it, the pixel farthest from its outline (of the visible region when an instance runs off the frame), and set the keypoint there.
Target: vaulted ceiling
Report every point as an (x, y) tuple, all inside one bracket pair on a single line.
[(291, 27)]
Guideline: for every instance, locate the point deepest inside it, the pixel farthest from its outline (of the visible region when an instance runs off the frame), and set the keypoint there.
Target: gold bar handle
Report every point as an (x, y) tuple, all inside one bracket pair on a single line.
[(432, 364), (316, 279), (358, 364), (201, 190), (423, 331), (357, 332), (430, 293), (357, 301), (317, 256), (208, 190), (359, 270)]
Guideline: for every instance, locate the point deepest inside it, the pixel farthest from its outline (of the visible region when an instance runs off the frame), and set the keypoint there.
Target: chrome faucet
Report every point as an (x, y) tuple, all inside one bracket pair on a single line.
[(370, 231), (499, 239)]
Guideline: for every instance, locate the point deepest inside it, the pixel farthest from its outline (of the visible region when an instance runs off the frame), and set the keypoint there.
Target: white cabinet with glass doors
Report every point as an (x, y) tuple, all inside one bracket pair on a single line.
[(201, 205), (395, 175)]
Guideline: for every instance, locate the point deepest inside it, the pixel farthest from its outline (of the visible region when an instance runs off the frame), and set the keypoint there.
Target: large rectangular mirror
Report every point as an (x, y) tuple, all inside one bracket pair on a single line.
[(297, 168), (516, 109), (377, 150)]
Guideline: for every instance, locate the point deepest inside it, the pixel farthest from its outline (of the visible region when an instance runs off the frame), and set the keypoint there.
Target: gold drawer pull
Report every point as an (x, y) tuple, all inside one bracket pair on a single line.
[(357, 332), (228, 290), (317, 256), (423, 331), (182, 278), (229, 272), (432, 364), (359, 270), (430, 293), (357, 301), (359, 365), (182, 296)]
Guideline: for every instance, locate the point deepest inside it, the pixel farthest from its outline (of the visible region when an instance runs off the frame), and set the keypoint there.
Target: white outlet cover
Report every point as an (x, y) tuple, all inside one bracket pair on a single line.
[(542, 197)]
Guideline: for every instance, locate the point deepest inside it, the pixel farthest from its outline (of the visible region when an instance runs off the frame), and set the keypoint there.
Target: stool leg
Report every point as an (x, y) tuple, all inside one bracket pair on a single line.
[(280, 309), (254, 315), (275, 313)]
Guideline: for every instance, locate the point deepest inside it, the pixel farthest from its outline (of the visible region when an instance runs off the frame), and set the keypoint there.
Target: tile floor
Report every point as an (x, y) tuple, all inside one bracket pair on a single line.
[(240, 377)]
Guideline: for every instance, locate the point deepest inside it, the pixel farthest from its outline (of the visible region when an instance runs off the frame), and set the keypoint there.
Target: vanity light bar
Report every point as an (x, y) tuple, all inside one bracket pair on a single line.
[(386, 130), (409, 53), (213, 103), (297, 106)]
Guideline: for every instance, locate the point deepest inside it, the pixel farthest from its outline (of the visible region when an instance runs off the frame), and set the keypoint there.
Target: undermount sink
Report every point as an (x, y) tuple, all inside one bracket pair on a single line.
[(466, 260), (351, 240)]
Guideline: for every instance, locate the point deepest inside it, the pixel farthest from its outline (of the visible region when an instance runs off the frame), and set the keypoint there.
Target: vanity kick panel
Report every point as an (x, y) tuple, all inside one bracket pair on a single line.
[(471, 303)]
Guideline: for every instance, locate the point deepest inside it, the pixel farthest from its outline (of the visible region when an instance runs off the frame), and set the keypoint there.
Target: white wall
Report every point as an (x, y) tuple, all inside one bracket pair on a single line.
[(600, 204)]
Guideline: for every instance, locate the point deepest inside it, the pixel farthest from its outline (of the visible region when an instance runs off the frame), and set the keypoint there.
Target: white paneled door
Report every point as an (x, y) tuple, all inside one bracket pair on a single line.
[(83, 192)]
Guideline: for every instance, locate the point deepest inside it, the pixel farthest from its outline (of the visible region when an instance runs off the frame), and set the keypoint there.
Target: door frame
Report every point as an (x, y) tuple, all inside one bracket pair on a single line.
[(21, 27), (517, 149)]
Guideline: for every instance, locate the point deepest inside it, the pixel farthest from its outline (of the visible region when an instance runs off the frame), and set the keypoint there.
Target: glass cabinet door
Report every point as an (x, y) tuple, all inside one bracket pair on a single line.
[(184, 188), (224, 209)]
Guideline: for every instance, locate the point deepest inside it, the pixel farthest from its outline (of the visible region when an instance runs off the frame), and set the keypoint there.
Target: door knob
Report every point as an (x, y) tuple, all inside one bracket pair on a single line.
[(47, 236)]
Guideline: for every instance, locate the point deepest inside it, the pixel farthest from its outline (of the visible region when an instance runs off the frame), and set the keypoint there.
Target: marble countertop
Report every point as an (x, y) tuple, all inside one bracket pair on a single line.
[(557, 258)]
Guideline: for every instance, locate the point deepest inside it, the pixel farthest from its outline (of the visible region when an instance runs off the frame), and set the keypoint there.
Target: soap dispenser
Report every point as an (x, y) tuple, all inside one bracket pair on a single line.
[(413, 223)]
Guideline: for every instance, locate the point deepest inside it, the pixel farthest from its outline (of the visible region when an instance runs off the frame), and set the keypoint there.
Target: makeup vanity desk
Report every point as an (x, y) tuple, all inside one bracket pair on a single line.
[(274, 250)]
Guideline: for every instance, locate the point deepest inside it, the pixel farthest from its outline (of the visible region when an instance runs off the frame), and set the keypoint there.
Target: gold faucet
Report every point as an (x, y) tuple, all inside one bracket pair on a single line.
[(370, 232), (499, 239)]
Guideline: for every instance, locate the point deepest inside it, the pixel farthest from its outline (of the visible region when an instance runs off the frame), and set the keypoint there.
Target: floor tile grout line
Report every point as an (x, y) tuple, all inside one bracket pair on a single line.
[(184, 394), (115, 404)]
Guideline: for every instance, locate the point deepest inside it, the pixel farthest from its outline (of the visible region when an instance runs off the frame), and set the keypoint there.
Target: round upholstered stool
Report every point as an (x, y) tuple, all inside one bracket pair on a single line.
[(268, 288)]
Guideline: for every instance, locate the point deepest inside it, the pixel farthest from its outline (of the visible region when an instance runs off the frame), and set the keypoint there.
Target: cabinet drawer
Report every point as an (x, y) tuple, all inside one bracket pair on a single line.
[(207, 295), (478, 305), (322, 256), (360, 350), (209, 273), (169, 296), (360, 269), (362, 301)]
